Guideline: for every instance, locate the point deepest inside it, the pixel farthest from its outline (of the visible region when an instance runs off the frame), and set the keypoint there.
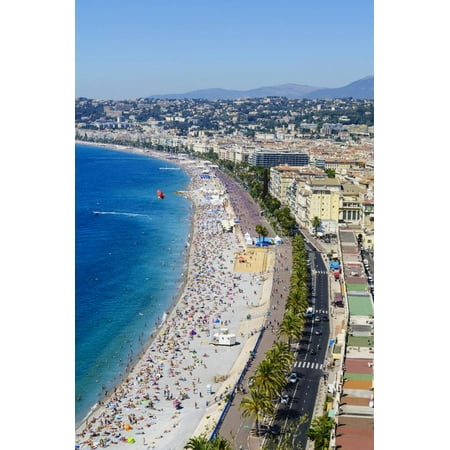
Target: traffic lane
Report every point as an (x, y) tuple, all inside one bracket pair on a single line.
[(312, 342), (321, 291), (302, 401)]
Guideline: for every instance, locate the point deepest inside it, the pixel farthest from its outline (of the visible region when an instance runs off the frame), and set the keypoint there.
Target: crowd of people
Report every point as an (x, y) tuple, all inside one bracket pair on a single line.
[(169, 390)]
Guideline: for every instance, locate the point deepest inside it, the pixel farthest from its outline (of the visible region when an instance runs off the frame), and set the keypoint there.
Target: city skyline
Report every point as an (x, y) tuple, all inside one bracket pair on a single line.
[(136, 49)]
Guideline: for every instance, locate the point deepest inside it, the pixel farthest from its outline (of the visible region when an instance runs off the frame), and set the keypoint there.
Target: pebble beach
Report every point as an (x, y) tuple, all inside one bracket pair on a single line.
[(178, 388)]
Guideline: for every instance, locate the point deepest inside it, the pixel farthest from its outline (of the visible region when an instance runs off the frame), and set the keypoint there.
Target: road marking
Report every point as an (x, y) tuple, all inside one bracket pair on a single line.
[(308, 365)]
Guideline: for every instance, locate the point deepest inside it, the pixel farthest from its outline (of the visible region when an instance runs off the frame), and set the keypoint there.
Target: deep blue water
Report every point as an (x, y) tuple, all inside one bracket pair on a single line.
[(129, 264)]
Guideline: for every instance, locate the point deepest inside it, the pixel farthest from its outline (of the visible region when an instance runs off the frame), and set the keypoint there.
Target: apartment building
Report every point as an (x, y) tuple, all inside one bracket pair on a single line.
[(315, 197), (351, 206), (283, 176), (267, 158)]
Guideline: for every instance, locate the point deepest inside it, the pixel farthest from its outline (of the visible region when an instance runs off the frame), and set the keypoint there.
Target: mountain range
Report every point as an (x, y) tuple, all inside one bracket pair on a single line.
[(360, 89)]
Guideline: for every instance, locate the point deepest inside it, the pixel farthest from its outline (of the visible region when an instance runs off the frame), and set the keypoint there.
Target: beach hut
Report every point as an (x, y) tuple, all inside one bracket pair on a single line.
[(224, 338)]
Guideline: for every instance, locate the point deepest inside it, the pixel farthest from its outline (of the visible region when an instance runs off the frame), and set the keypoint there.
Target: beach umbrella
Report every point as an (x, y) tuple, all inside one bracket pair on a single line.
[(131, 440), (127, 427), (193, 332)]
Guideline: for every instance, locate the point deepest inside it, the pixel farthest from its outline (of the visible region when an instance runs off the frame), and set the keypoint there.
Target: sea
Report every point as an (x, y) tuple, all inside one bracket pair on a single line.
[(130, 257)]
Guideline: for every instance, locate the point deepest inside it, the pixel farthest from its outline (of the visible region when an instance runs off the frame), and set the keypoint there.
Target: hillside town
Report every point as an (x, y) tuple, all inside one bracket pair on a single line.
[(301, 141)]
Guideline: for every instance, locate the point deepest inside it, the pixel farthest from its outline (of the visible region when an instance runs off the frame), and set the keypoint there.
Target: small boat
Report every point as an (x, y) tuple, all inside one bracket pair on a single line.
[(160, 194)]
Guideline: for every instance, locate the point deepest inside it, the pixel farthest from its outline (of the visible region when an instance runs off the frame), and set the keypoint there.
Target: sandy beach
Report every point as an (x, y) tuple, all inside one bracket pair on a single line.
[(179, 386)]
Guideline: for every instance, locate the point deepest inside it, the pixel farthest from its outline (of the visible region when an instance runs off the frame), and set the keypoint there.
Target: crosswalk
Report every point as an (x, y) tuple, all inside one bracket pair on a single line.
[(320, 311), (308, 365)]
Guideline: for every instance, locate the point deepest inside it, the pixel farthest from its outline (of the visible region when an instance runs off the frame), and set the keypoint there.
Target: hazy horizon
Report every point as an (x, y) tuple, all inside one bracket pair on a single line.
[(136, 49)]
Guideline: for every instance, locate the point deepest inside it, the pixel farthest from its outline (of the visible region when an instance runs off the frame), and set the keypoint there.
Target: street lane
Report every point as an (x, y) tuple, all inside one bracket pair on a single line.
[(311, 352)]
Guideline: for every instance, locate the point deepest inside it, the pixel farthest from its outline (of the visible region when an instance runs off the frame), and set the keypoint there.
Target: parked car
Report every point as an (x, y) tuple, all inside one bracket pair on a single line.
[(313, 352), (325, 317), (284, 399), (292, 378), (318, 331)]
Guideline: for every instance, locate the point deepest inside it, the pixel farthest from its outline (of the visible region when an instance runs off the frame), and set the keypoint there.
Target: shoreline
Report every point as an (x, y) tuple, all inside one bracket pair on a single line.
[(176, 297), (147, 371)]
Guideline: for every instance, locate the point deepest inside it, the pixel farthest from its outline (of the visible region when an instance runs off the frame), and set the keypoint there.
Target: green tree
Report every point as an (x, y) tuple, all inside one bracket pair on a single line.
[(320, 431), (291, 326), (203, 443), (281, 353), (198, 443), (220, 443), (256, 405), (261, 231), (316, 224), (258, 230), (269, 378)]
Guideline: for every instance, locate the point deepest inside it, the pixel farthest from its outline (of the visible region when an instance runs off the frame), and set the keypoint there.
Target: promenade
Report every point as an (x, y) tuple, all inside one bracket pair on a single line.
[(234, 427), (181, 380)]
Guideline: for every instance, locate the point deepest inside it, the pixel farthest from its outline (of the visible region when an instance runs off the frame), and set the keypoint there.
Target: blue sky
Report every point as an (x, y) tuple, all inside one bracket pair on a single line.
[(128, 49)]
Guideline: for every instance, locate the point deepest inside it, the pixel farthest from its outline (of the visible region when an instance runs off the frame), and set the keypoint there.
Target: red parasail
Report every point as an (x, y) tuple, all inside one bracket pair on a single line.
[(160, 194)]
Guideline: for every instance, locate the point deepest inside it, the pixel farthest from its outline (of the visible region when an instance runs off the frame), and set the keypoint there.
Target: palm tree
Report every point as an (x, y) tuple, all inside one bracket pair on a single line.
[(291, 326), (264, 232), (203, 443), (281, 353), (298, 298), (258, 229), (257, 404), (198, 443), (269, 378), (220, 443)]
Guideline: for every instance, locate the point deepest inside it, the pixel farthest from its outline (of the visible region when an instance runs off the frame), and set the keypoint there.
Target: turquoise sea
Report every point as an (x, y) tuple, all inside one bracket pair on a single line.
[(130, 255)]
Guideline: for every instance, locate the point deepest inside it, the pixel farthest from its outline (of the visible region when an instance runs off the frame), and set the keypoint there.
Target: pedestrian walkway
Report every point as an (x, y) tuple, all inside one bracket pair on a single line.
[(308, 365)]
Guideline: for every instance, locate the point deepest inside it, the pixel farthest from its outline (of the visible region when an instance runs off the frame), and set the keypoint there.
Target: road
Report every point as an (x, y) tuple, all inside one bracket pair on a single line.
[(308, 366), (311, 352)]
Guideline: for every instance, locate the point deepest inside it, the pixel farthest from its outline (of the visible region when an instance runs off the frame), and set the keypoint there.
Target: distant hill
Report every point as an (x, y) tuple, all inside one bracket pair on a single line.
[(358, 89), (283, 90)]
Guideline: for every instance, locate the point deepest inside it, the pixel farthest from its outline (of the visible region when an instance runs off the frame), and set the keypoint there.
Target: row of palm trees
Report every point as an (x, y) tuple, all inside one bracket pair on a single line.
[(269, 379), (293, 321), (267, 383), (270, 375)]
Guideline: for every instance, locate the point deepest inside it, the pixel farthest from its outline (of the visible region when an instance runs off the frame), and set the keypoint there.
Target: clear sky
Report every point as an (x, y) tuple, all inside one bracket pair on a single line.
[(134, 48)]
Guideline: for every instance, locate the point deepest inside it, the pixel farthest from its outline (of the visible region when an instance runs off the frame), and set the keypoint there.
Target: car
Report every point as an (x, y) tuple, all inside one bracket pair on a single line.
[(317, 319), (284, 399), (325, 317), (265, 429), (317, 332), (292, 378), (313, 352)]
